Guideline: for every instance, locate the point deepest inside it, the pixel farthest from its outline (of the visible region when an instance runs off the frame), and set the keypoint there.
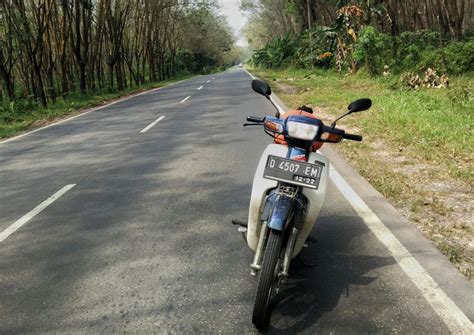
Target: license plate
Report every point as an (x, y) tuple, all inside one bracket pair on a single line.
[(293, 172)]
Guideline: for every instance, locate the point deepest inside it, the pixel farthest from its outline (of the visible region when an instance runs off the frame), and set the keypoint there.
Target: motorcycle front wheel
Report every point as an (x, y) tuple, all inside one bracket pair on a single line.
[(267, 279)]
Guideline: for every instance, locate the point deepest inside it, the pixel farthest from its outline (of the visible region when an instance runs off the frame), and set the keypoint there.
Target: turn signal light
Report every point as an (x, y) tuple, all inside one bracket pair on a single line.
[(330, 137), (274, 126)]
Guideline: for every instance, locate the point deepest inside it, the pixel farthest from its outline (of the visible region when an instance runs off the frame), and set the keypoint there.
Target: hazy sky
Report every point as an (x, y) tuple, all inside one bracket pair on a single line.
[(230, 9)]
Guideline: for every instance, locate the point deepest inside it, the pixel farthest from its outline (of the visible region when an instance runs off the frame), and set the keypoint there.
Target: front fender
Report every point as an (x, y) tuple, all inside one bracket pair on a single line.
[(277, 209)]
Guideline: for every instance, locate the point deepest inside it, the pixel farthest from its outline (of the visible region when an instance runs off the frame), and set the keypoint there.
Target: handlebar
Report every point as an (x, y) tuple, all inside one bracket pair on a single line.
[(352, 137), (256, 121)]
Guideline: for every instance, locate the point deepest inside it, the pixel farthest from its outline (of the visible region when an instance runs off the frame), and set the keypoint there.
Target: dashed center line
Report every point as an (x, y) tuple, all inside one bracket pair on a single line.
[(35, 211), (200, 88), (208, 81), (184, 100), (144, 130)]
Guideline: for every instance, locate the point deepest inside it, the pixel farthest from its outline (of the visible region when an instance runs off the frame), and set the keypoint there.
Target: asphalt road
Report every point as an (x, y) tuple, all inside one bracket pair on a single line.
[(143, 242)]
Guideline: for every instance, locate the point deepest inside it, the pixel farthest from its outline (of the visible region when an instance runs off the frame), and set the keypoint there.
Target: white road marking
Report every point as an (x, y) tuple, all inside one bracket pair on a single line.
[(447, 310), (35, 211), (184, 100), (200, 88), (90, 111), (251, 75), (144, 130), (208, 81)]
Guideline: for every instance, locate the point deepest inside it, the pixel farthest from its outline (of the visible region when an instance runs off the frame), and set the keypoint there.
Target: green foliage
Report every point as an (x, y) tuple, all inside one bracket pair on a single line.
[(373, 49), (415, 46), (455, 58), (316, 48), (188, 62), (210, 40), (420, 39), (311, 48), (275, 54), (424, 49), (411, 51), (14, 111)]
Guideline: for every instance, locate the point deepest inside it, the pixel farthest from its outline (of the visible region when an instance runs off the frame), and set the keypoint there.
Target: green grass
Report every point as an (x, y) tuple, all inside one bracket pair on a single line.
[(433, 124), (23, 115)]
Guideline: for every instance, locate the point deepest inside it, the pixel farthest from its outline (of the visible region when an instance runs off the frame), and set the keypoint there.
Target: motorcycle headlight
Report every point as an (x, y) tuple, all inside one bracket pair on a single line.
[(302, 131)]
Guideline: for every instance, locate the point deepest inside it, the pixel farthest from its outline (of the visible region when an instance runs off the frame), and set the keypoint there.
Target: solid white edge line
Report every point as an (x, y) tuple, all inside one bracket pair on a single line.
[(35, 211), (144, 130), (200, 88), (184, 100), (448, 311), (251, 75), (90, 111)]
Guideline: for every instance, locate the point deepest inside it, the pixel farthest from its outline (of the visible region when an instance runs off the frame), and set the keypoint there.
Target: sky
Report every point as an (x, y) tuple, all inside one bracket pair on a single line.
[(236, 19)]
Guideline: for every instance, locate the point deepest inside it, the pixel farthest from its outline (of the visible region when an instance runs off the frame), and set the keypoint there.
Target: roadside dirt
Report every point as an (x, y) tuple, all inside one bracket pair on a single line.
[(441, 208)]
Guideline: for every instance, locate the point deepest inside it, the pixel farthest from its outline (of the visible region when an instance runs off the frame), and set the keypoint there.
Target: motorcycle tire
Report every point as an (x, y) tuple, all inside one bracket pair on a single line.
[(266, 280)]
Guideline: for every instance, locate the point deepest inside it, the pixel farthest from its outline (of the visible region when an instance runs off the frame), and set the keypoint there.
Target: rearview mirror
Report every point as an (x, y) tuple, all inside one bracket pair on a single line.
[(359, 105), (261, 87)]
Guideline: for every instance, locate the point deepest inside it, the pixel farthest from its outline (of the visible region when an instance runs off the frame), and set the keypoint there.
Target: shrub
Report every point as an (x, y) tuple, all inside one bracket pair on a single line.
[(275, 54), (412, 45), (420, 39), (372, 48), (17, 110), (316, 48), (455, 58), (459, 57)]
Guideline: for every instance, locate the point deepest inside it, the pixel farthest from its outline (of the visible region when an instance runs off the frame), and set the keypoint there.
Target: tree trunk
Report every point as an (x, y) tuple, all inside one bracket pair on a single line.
[(9, 84), (119, 75)]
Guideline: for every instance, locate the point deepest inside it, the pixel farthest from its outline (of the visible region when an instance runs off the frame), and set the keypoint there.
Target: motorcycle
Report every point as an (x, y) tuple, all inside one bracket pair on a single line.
[(288, 191)]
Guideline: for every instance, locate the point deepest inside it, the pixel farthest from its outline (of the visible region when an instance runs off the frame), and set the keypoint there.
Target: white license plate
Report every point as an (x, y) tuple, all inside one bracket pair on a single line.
[(293, 172)]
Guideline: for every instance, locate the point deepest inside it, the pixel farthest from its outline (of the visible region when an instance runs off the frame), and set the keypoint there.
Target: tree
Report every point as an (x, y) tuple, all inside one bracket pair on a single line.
[(57, 47)]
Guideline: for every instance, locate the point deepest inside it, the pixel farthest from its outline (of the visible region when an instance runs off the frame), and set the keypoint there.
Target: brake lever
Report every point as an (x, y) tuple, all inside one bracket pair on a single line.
[(252, 124)]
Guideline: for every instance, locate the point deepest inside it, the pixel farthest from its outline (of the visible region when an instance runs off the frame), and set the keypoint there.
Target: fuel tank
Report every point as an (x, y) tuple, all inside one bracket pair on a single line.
[(262, 186)]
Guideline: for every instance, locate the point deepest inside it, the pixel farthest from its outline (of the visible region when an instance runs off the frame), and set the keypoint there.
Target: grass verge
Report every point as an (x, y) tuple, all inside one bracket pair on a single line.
[(417, 148), (20, 116)]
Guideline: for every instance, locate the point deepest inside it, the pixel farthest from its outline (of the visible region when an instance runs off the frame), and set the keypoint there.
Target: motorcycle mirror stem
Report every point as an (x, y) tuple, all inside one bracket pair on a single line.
[(356, 106), (261, 87), (333, 124), (274, 105)]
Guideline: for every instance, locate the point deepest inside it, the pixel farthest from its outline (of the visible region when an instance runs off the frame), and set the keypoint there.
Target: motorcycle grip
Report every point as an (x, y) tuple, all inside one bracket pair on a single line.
[(352, 137), (255, 119)]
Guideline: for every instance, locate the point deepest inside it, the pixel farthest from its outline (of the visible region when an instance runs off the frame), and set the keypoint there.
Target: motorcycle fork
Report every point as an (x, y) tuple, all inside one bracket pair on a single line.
[(288, 252), (255, 266), (293, 223)]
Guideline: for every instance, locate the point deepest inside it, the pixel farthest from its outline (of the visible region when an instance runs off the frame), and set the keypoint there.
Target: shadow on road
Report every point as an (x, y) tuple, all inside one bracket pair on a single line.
[(311, 292)]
